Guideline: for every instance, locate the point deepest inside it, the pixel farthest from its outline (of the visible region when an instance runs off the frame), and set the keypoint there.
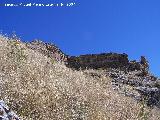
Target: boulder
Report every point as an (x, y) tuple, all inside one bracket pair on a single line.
[(6, 113)]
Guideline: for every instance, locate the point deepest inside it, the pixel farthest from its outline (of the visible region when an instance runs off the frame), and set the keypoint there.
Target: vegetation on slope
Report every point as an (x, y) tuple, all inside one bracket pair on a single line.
[(37, 88)]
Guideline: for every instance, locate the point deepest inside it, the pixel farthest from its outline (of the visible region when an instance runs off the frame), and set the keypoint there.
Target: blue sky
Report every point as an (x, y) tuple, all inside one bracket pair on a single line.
[(91, 26)]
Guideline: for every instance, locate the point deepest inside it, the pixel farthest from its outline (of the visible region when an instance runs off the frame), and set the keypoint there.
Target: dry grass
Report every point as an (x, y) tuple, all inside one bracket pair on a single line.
[(39, 89)]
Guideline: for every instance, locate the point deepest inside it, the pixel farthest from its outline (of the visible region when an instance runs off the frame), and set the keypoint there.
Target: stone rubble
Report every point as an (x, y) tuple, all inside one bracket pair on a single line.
[(142, 87)]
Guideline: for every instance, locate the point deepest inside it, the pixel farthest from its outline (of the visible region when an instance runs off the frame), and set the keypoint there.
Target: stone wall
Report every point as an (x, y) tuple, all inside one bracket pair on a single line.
[(103, 61)]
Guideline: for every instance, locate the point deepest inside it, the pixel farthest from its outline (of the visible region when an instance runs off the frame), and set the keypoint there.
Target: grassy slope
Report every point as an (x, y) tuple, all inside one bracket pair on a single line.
[(37, 88)]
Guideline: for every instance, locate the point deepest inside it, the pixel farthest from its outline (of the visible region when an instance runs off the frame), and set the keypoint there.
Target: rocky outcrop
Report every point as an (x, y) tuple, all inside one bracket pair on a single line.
[(6, 113), (47, 49), (135, 84), (150, 94)]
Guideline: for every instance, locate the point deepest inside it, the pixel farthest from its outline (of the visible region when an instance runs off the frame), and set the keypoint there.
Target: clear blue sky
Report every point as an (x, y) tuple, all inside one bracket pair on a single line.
[(92, 26)]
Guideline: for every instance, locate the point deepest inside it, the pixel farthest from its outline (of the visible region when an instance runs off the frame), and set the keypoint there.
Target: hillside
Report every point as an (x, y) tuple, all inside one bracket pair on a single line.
[(40, 82)]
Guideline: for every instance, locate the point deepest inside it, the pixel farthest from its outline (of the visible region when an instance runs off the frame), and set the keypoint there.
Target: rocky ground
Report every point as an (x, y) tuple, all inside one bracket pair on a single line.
[(134, 85)]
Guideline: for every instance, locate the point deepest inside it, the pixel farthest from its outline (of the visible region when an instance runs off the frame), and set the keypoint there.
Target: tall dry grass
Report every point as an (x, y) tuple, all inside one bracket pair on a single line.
[(37, 88)]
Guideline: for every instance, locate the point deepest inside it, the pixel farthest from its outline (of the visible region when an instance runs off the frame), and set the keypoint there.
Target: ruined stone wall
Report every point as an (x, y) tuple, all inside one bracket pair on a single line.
[(103, 61), (95, 61)]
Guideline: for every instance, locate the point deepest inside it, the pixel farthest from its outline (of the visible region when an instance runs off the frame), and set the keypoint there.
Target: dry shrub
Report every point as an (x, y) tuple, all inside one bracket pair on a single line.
[(38, 89)]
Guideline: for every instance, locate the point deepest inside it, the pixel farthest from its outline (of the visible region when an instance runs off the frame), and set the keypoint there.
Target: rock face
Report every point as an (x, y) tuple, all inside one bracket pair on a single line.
[(6, 113), (47, 49)]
